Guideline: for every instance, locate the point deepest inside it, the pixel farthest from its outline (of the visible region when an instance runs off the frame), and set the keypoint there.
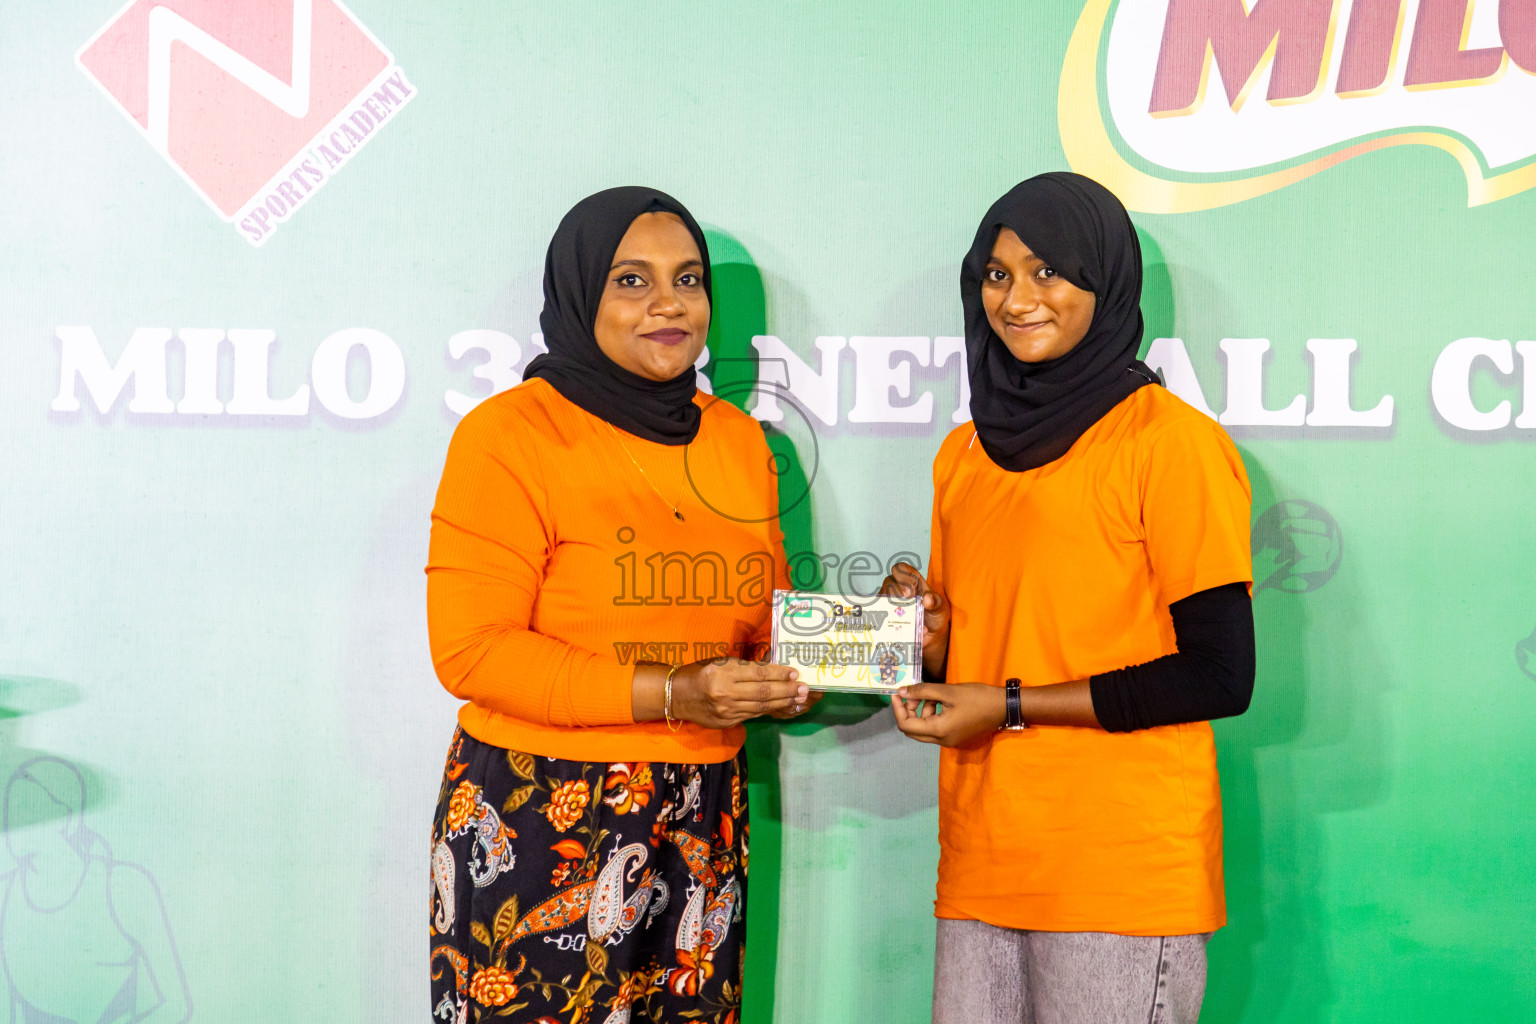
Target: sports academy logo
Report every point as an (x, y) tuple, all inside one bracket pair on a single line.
[(1181, 105), (257, 103)]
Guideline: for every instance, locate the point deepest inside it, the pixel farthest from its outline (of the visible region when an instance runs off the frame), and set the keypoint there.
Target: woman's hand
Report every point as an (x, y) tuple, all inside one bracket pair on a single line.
[(906, 581), (800, 709), (970, 710), (721, 692)]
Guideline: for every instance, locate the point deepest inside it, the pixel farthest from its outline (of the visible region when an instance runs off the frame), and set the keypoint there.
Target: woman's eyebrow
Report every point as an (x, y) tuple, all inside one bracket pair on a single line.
[(646, 264)]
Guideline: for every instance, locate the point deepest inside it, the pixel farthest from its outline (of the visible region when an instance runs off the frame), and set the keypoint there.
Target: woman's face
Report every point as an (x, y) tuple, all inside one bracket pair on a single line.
[(654, 316), (1039, 314)]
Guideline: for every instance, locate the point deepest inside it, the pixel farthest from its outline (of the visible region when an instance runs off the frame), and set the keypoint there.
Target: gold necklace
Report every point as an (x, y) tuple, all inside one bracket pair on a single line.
[(678, 515)]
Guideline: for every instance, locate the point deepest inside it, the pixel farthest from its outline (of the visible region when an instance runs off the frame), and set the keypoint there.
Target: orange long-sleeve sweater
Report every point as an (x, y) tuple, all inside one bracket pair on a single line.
[(557, 562)]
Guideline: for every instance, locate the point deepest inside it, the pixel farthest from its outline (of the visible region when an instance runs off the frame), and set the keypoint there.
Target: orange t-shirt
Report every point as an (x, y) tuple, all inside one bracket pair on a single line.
[(1056, 574), (556, 564)]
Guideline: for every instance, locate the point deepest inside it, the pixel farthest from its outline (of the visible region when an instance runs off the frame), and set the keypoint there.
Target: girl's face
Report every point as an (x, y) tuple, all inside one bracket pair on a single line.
[(1039, 314), (653, 318)]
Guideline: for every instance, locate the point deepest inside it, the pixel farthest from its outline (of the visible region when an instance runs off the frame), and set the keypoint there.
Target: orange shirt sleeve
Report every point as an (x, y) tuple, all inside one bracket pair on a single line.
[(1195, 508), (491, 543)]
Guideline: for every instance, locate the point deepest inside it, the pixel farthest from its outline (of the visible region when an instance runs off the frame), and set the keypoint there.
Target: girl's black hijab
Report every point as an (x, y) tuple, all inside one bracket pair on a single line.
[(1029, 414), (575, 274)]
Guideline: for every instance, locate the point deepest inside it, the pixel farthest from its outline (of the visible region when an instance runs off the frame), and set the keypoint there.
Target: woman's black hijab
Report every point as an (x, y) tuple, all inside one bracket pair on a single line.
[(1029, 414), (575, 274)]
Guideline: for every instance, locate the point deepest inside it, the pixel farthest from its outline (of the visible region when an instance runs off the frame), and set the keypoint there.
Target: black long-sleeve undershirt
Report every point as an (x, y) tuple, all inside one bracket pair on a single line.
[(1211, 675)]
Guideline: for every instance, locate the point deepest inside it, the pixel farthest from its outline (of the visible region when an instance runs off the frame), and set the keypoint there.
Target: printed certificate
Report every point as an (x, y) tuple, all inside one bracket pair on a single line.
[(856, 645)]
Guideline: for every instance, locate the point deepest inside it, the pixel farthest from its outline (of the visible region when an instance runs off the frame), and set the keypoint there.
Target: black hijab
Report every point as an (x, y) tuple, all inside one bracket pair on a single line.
[(1029, 414), (575, 274)]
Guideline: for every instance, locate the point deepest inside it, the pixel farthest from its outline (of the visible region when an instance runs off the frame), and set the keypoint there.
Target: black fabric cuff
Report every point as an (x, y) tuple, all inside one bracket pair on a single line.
[(1211, 675)]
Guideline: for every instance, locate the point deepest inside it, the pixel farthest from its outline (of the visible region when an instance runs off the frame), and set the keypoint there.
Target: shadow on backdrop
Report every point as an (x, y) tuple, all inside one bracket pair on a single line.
[(740, 312), (851, 723), (1271, 961), (22, 697), (1156, 292)]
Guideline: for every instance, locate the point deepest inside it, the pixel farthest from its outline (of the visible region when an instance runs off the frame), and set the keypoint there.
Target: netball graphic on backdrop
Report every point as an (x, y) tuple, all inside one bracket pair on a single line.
[(1297, 547), (256, 102), (1210, 102)]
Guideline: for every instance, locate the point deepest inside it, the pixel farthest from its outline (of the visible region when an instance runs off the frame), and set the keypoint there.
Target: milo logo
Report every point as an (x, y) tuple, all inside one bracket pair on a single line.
[(1182, 105)]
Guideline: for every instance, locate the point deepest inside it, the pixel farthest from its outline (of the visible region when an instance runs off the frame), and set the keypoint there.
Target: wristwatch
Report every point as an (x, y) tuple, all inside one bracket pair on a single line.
[(1013, 707)]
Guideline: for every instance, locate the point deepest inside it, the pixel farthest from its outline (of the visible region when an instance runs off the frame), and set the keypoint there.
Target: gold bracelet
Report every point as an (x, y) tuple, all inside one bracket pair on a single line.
[(666, 700)]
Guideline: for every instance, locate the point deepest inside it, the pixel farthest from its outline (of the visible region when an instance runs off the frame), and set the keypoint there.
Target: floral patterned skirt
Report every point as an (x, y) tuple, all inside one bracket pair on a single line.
[(566, 892)]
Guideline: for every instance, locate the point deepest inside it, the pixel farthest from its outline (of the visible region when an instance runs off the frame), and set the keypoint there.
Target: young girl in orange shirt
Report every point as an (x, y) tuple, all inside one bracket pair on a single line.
[(1088, 610)]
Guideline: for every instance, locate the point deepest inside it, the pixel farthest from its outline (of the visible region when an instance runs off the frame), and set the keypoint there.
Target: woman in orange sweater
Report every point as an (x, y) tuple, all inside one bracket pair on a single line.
[(600, 617), (1087, 607)]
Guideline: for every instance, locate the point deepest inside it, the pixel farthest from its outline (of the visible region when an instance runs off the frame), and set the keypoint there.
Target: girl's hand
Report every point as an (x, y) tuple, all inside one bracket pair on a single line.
[(721, 692), (906, 581), (970, 710)]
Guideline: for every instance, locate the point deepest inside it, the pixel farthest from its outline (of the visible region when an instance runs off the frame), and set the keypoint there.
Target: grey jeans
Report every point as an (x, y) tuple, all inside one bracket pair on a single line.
[(989, 975)]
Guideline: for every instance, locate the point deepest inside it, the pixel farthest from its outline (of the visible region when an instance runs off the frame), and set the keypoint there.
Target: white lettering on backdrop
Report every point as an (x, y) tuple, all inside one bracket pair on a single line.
[(1450, 385), (881, 387), (144, 361)]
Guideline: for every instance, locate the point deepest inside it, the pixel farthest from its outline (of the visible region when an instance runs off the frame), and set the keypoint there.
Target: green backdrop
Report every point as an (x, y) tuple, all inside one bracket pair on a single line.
[(213, 659)]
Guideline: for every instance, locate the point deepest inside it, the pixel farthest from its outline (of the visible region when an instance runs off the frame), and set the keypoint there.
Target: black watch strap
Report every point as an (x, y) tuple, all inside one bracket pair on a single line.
[(1013, 707)]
